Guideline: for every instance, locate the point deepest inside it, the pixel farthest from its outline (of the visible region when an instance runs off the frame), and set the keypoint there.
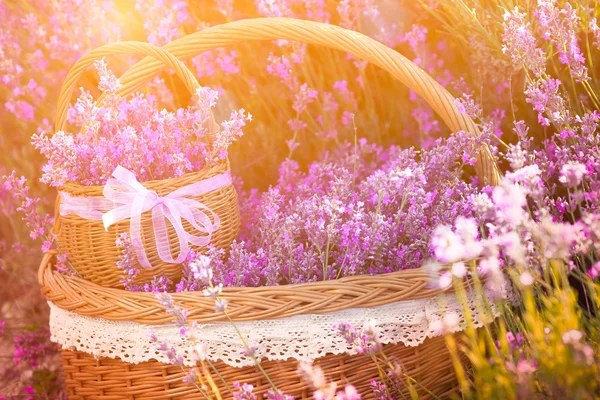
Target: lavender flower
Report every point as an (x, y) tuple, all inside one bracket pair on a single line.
[(559, 26), (128, 263), (153, 143), (594, 272), (191, 376), (201, 269), (31, 346), (221, 305), (365, 340), (213, 291), (179, 314), (170, 351), (243, 392), (380, 391), (109, 83), (350, 215), (520, 44), (18, 189)]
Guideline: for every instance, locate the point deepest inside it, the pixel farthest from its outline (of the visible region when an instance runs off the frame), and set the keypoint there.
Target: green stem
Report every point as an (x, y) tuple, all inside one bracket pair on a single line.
[(256, 363)]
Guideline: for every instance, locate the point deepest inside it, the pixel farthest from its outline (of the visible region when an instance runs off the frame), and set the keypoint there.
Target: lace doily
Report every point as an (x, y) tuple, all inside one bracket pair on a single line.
[(302, 337)]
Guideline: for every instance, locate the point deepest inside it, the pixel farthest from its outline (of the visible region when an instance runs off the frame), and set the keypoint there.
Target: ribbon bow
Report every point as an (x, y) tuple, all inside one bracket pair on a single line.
[(133, 199)]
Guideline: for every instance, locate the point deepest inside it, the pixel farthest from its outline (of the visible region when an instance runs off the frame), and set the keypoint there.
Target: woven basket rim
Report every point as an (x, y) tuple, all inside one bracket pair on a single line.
[(153, 184), (245, 303)]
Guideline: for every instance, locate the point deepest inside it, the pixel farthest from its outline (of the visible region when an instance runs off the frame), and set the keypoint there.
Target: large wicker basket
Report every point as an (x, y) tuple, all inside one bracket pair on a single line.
[(112, 377), (90, 248)]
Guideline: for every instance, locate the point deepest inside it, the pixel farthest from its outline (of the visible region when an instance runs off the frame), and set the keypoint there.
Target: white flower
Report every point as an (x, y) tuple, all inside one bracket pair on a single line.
[(221, 304), (572, 336), (437, 327), (459, 269), (213, 291), (447, 245), (526, 279), (451, 321), (201, 269), (445, 280), (448, 323), (200, 351), (572, 173)]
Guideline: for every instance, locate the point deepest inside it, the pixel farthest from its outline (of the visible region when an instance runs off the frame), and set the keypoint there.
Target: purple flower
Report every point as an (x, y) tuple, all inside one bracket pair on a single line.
[(163, 19), (594, 272), (279, 395), (523, 368), (447, 324), (243, 392), (560, 26), (515, 341), (152, 142), (509, 201), (526, 279), (39, 224), (32, 346), (316, 378), (467, 105), (546, 99), (380, 391), (365, 340), (191, 376), (520, 44), (109, 83), (128, 262), (251, 351), (179, 314)]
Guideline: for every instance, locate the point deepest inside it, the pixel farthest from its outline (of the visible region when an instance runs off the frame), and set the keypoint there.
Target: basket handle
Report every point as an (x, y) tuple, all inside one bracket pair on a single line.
[(162, 56), (334, 37)]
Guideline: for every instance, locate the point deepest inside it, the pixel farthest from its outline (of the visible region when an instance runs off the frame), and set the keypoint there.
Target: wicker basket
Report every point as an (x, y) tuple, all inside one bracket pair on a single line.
[(114, 378), (105, 378), (90, 248)]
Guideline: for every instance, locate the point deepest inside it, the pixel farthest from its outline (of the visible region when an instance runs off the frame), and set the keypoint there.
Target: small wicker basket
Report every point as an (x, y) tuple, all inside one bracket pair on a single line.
[(90, 248), (114, 378)]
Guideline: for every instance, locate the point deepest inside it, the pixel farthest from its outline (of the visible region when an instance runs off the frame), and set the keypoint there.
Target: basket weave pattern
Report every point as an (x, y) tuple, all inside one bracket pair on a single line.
[(245, 303), (92, 250), (114, 379)]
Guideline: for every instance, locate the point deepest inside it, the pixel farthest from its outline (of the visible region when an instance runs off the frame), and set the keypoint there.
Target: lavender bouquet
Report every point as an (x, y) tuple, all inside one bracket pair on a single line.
[(136, 134)]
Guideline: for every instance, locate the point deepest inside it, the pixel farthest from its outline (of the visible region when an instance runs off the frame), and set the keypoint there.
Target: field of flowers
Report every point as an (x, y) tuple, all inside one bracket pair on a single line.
[(339, 169)]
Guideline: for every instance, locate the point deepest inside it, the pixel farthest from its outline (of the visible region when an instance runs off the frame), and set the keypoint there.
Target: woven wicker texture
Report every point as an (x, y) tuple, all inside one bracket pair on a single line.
[(91, 249), (245, 303), (104, 379), (335, 37)]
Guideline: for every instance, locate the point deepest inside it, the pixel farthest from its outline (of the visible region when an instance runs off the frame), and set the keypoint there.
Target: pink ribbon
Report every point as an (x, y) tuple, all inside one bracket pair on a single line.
[(126, 198)]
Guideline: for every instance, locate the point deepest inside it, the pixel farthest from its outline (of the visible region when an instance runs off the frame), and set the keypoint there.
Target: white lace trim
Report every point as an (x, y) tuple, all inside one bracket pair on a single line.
[(302, 337)]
